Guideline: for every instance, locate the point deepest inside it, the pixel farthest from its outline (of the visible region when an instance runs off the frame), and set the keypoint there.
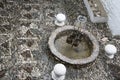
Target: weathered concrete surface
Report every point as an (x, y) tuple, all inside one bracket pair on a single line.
[(14, 64), (113, 10)]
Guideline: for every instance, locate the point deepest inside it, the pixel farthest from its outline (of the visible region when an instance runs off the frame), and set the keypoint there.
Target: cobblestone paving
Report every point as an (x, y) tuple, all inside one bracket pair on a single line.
[(25, 26)]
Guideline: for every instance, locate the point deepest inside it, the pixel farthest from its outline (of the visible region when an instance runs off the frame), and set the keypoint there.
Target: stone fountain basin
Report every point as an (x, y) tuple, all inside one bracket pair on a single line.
[(94, 46)]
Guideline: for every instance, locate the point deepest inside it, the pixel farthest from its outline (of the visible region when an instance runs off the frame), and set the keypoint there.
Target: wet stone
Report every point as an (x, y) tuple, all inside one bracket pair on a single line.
[(5, 45), (1, 5), (27, 7), (26, 0), (5, 28), (2, 30), (2, 73), (29, 34), (8, 27), (3, 38), (28, 16), (4, 13), (51, 14), (115, 70), (19, 42), (36, 7), (4, 49), (26, 54), (35, 31), (30, 43), (35, 15), (27, 24), (31, 1), (28, 78), (28, 69)]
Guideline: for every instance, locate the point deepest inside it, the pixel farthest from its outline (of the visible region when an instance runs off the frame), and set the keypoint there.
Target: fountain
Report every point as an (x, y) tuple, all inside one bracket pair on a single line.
[(73, 45)]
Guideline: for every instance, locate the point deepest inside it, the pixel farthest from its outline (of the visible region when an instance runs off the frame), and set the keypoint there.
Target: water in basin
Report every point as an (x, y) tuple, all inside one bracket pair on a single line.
[(82, 51)]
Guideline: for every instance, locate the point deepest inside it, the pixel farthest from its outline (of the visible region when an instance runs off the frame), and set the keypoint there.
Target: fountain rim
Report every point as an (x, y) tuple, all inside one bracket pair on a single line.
[(54, 51)]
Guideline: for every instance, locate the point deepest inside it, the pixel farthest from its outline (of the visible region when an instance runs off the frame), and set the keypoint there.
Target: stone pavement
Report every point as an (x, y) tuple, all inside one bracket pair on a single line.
[(25, 26)]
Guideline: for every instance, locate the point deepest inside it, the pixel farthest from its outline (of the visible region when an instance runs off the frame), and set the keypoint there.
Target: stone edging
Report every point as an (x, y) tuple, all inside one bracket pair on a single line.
[(94, 53)]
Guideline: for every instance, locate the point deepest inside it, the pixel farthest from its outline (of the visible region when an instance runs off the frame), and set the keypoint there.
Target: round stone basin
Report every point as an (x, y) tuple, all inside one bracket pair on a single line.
[(86, 52)]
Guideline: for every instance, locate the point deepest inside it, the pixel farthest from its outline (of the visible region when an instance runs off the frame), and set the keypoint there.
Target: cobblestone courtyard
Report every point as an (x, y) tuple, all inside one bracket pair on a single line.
[(27, 24)]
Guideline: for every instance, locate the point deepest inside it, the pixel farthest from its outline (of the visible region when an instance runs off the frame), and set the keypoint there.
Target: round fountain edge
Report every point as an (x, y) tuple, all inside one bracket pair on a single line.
[(93, 55)]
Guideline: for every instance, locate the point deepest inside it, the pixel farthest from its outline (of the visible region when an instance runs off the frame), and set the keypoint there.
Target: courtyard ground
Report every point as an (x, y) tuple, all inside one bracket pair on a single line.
[(19, 16)]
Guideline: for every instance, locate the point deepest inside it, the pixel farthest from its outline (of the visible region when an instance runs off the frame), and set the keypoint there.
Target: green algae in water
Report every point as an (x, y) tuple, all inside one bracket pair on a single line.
[(82, 51)]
